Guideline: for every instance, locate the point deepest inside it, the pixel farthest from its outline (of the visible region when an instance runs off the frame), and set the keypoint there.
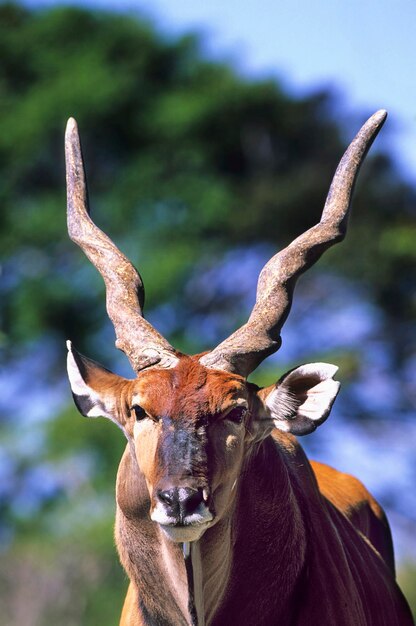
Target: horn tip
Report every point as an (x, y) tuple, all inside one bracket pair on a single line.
[(71, 126), (380, 116)]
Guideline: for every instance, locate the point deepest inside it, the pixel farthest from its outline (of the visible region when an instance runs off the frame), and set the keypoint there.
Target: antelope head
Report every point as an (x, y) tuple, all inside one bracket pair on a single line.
[(191, 420)]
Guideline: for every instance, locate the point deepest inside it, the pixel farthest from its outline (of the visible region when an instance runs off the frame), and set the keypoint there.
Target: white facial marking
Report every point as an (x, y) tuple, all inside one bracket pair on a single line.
[(140, 427), (202, 515), (160, 516), (193, 527), (136, 399), (231, 442)]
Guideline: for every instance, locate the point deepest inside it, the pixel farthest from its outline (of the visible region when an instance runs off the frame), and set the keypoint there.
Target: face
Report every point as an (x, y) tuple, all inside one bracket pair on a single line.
[(192, 426), (190, 436)]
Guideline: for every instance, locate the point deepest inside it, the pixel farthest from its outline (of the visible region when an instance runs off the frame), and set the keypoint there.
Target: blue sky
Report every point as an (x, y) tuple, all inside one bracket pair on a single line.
[(365, 49)]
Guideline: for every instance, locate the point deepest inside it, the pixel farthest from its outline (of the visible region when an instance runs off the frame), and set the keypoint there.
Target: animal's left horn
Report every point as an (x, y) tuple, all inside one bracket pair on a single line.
[(244, 350), (141, 343)]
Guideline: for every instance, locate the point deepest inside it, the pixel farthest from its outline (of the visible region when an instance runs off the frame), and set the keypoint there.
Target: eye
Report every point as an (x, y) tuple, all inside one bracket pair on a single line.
[(237, 414), (139, 412)]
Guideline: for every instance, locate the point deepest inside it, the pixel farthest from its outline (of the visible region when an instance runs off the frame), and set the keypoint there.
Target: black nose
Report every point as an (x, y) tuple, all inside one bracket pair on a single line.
[(179, 502)]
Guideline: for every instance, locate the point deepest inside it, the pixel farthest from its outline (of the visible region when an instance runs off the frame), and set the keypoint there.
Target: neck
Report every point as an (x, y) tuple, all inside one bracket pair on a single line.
[(198, 572), (206, 579), (268, 538)]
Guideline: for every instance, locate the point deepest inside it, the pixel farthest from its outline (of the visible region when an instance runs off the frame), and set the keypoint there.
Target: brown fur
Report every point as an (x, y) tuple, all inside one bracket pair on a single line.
[(292, 543), (350, 497)]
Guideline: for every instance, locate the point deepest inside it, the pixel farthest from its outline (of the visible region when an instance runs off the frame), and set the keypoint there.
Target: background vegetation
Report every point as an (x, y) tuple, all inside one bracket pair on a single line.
[(199, 175)]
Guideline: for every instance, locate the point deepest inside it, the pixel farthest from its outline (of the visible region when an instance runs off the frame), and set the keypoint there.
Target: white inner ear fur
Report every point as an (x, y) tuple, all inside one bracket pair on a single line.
[(78, 385), (80, 388), (303, 399)]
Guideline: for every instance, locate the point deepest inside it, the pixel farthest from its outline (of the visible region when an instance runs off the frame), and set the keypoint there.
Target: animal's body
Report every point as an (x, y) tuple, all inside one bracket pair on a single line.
[(221, 519), (285, 552)]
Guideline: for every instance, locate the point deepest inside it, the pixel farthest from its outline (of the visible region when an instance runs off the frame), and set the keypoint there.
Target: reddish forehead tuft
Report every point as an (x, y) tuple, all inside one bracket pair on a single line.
[(188, 390)]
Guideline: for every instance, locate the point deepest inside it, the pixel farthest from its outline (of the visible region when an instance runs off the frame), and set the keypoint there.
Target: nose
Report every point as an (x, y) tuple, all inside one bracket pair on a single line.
[(181, 502)]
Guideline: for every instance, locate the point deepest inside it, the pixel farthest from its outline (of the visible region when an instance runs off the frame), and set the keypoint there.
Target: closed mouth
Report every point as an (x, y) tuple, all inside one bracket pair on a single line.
[(180, 533), (183, 528)]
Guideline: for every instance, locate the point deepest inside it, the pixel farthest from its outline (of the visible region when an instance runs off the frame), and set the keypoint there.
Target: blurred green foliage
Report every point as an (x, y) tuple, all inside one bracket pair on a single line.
[(180, 149), (186, 160)]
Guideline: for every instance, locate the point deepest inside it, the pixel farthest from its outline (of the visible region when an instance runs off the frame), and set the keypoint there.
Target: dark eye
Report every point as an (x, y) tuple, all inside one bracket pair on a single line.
[(237, 414), (139, 412)]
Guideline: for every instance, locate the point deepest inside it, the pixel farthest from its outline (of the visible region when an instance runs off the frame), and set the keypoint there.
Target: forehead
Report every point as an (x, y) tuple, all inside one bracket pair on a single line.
[(189, 389)]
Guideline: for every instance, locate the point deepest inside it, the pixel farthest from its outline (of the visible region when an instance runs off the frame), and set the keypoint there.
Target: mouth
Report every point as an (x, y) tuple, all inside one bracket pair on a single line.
[(183, 529), (182, 533)]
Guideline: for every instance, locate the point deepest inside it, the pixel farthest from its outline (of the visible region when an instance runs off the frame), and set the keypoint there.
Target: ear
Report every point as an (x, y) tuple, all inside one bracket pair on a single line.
[(302, 399), (96, 390)]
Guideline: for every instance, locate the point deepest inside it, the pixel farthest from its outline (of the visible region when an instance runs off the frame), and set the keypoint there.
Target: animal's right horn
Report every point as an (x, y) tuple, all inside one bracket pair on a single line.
[(141, 343)]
